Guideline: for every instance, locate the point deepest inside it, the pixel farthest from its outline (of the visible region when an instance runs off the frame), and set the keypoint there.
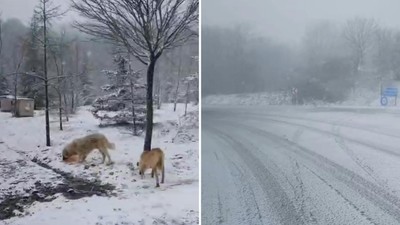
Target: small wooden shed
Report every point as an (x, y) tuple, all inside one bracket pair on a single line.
[(25, 107), (6, 103)]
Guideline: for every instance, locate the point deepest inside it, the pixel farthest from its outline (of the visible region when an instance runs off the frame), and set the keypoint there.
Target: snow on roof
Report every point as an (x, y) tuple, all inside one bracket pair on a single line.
[(12, 97), (6, 96)]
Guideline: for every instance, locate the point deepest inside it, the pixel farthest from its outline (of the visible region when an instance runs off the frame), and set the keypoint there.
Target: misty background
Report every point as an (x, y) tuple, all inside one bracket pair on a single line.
[(328, 50), (86, 60)]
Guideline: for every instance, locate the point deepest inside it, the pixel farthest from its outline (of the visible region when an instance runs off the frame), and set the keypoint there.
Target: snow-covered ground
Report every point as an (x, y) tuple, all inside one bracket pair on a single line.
[(29, 168), (300, 165)]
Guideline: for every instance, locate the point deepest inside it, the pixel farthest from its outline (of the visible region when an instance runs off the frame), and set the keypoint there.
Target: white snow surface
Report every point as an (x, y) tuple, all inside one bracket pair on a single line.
[(300, 165), (137, 201)]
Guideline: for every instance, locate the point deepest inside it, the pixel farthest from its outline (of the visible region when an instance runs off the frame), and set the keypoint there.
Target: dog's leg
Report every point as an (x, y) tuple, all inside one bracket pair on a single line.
[(152, 173), (157, 181), (162, 174), (84, 158), (109, 158), (104, 156), (81, 158)]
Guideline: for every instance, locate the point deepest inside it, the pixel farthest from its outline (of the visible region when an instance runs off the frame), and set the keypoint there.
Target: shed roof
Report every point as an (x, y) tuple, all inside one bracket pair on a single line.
[(12, 97)]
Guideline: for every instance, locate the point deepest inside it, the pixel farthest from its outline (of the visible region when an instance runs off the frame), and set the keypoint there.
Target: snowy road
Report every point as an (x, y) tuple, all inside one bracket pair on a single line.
[(294, 165)]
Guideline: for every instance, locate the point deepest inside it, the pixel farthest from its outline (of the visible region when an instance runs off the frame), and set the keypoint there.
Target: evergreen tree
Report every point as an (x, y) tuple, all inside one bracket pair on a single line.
[(125, 97)]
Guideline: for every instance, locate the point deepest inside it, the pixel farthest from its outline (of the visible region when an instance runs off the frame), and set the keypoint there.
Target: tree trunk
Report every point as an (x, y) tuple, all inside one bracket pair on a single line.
[(66, 107), (178, 79), (15, 94), (61, 86), (176, 94), (60, 110), (187, 96), (177, 84), (46, 88), (159, 93), (72, 101), (133, 106), (149, 104)]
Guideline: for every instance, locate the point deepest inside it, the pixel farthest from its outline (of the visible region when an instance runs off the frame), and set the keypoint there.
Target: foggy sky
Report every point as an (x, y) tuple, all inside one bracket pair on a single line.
[(287, 20), (23, 9)]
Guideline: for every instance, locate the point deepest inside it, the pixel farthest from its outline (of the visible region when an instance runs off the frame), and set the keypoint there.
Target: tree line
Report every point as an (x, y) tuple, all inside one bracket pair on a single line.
[(331, 61)]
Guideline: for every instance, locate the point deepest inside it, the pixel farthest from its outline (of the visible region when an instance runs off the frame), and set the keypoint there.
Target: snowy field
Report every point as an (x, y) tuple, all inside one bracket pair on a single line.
[(300, 165), (37, 188)]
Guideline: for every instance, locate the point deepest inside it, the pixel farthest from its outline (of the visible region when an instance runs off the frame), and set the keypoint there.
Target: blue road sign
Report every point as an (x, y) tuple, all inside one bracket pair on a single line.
[(390, 92)]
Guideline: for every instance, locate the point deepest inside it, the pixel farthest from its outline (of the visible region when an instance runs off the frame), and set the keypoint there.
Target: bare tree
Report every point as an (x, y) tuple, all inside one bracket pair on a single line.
[(47, 12), (3, 80), (133, 77), (178, 78), (1, 37), (57, 53), (18, 60), (359, 33), (322, 42), (145, 28)]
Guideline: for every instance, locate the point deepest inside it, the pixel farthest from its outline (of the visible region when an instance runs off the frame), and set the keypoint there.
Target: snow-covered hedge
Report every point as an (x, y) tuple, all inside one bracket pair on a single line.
[(248, 99)]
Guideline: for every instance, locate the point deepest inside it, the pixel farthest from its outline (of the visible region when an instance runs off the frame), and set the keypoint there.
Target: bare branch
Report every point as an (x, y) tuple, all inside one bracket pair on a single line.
[(1, 35), (359, 33), (145, 28)]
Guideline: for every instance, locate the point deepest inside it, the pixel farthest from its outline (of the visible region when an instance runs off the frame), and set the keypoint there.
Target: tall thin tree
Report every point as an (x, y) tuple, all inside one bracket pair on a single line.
[(47, 12)]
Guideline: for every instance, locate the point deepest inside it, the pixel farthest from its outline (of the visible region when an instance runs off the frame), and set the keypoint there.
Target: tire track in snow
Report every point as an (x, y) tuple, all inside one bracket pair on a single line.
[(220, 216), (361, 164), (329, 133), (348, 201), (300, 196), (296, 186), (342, 124), (250, 202), (297, 134), (281, 203), (216, 156), (235, 198), (389, 203)]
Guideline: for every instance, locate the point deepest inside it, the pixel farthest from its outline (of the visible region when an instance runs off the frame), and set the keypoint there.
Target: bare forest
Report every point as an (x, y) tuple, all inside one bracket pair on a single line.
[(330, 62), (65, 66)]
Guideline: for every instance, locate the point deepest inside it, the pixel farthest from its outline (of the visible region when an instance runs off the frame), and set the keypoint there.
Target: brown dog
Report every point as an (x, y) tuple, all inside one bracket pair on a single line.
[(83, 146), (153, 160)]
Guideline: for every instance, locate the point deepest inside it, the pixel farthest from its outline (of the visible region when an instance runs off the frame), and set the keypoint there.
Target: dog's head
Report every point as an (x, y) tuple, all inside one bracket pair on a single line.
[(65, 154)]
